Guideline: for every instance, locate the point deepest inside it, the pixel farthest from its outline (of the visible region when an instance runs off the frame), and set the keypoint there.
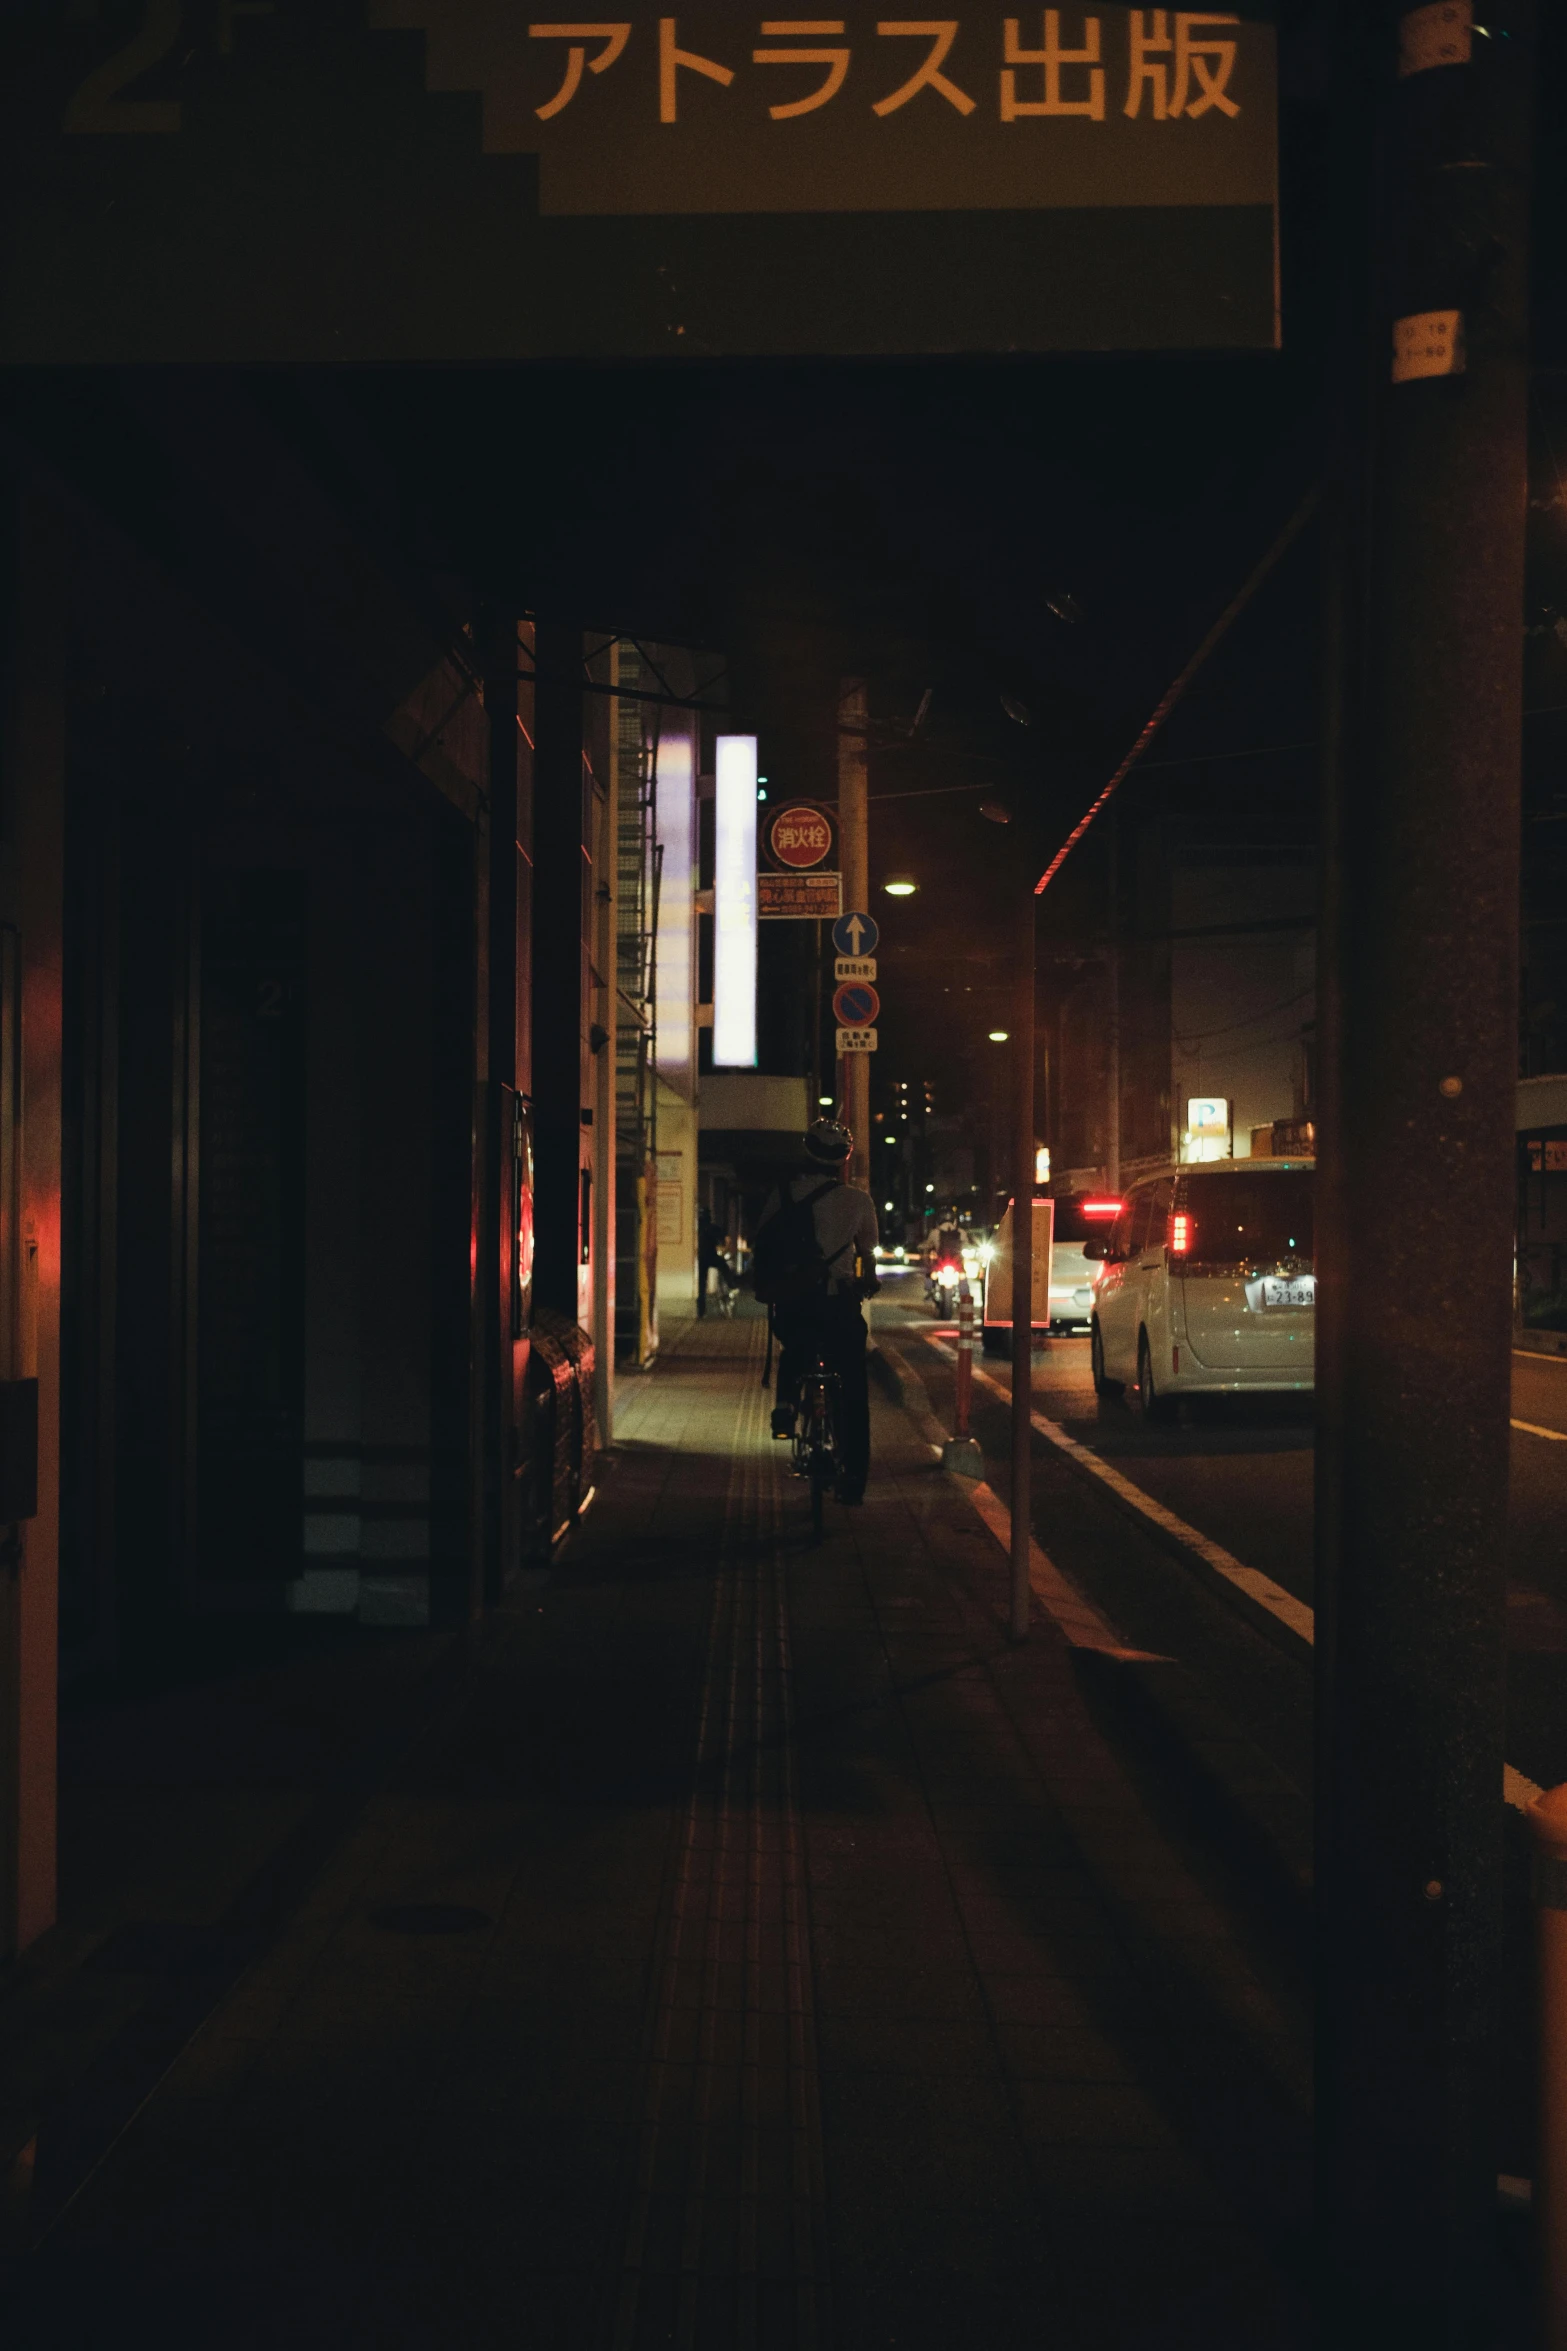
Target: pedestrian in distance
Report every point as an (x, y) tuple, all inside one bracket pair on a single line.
[(814, 1264), (710, 1256)]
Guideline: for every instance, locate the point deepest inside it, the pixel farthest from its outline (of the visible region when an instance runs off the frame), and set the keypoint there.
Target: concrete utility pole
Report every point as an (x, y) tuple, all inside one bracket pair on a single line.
[(1422, 831), (1113, 1002), (495, 1504), (854, 857), (605, 958), (1023, 1267)]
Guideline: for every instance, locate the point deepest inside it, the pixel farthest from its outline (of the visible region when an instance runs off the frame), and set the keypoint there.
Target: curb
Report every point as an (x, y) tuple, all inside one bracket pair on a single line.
[(1254, 1815)]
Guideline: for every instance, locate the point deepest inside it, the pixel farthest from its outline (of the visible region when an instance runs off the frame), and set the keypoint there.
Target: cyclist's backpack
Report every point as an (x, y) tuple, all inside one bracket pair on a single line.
[(787, 1265)]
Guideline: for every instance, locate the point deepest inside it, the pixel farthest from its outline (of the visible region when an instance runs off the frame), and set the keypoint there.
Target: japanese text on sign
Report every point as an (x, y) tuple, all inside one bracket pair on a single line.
[(860, 111), (1184, 70), (803, 896)]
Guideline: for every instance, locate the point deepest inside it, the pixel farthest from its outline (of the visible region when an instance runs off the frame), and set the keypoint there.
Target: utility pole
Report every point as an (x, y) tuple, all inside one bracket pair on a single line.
[(495, 1498), (1415, 1296), (854, 858), (1113, 1005), (1023, 1268)]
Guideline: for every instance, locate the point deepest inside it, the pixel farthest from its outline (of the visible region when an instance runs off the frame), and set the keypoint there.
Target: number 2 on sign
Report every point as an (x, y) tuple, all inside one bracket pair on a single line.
[(97, 104)]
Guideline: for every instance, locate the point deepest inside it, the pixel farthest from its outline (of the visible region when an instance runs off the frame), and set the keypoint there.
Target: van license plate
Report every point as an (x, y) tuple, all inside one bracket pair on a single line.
[(1280, 1290)]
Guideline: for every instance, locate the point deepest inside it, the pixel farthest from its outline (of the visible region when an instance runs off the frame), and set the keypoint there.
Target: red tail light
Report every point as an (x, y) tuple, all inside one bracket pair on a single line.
[(1105, 1208), (1182, 1233), (947, 1267)]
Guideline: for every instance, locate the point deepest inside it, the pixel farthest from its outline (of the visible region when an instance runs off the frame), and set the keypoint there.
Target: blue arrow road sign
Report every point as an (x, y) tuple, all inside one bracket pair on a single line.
[(855, 934)]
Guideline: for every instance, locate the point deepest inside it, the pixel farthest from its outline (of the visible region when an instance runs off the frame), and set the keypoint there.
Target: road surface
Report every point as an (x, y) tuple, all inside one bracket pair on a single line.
[(1240, 1473)]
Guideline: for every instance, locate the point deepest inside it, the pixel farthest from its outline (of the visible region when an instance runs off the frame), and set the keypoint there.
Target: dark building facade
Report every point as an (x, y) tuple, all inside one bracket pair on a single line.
[(306, 1201)]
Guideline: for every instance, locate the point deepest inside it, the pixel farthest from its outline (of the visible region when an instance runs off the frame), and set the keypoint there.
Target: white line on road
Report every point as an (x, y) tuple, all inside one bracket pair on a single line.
[(1532, 1428), (1072, 1610), (1519, 1790)]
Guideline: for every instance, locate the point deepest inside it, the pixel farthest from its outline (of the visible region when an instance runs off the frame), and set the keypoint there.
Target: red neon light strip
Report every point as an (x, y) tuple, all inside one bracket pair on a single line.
[(1172, 694)]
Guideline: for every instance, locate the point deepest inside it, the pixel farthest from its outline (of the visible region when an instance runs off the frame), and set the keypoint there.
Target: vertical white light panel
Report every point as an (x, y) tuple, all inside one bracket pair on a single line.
[(734, 903), (675, 999)]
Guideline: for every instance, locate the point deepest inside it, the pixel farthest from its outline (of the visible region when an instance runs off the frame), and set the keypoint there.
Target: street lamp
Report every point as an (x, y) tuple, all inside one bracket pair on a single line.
[(900, 885), (999, 1036)]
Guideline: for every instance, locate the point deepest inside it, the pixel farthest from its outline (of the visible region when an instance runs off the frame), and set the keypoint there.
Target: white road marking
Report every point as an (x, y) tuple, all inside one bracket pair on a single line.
[(1532, 1428), (1519, 1790), (1076, 1615)]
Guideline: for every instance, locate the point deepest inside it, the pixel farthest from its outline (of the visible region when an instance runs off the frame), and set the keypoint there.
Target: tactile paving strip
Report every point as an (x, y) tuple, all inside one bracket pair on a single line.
[(725, 2246)]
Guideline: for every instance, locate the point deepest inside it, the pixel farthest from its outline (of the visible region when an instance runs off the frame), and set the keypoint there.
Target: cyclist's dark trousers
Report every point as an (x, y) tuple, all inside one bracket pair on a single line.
[(834, 1328)]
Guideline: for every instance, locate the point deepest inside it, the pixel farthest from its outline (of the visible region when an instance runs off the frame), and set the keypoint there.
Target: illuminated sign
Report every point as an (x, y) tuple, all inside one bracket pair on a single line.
[(458, 180), (1208, 1119), (734, 903)]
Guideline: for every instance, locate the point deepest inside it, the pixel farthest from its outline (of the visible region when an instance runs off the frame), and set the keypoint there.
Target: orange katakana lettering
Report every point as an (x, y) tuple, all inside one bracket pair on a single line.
[(835, 60), (670, 60), (940, 33), (614, 38)]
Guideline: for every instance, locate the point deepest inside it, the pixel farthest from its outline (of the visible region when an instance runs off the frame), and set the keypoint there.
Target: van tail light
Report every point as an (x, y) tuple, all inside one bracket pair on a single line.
[(1182, 1232)]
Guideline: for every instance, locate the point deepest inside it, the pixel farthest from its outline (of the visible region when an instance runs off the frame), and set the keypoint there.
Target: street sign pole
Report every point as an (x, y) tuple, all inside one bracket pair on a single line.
[(1414, 1436), (1023, 1270), (854, 854)]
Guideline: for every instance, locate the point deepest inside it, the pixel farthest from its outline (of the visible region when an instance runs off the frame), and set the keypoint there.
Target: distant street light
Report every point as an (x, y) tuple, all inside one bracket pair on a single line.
[(999, 1036), (900, 885)]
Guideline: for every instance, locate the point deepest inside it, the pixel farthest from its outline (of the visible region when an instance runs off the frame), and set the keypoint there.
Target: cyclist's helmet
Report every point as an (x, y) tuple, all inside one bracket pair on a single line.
[(827, 1144)]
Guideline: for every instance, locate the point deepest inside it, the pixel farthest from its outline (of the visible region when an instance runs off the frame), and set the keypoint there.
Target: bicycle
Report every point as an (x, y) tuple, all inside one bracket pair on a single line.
[(816, 1437)]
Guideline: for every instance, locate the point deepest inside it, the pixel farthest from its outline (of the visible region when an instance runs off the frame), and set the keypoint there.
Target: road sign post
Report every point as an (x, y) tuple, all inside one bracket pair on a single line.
[(855, 934), (856, 1005), (1023, 1272), (859, 932)]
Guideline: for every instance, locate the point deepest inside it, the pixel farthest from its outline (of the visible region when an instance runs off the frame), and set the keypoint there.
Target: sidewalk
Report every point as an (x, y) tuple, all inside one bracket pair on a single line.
[(748, 1947)]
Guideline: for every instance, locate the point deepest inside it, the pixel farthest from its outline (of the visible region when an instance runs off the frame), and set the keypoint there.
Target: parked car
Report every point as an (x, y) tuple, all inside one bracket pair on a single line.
[(1206, 1285), (1080, 1217)]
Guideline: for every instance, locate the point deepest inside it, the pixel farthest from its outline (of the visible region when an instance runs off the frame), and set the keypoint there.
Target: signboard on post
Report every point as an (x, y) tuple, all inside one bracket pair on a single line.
[(856, 1005), (801, 896), (799, 835), (998, 1273), (856, 1041), (694, 185), (856, 934)]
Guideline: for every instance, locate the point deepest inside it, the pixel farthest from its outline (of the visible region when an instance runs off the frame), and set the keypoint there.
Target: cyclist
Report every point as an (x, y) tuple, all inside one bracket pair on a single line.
[(822, 1315)]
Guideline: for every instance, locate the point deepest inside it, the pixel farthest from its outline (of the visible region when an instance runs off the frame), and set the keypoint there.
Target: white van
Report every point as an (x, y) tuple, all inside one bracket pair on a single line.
[(1206, 1285)]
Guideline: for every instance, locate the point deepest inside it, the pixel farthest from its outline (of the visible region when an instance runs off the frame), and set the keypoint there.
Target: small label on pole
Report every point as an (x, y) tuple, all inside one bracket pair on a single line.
[(1441, 35), (1430, 343), (856, 1041), (854, 967)]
